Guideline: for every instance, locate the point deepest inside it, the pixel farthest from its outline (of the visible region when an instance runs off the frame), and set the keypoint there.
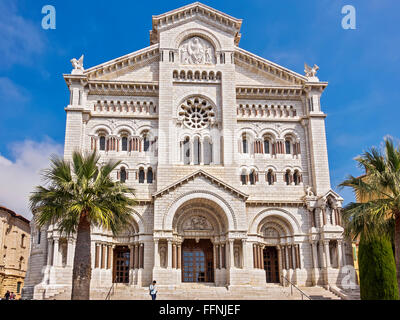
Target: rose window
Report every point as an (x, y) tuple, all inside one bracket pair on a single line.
[(196, 113)]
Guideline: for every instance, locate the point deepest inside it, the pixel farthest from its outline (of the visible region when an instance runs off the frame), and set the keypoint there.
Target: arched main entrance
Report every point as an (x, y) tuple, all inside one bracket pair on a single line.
[(197, 261), (200, 226), (271, 264), (121, 264)]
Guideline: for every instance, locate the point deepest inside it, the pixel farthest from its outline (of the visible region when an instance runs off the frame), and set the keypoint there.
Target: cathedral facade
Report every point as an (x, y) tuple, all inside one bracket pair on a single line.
[(226, 152)]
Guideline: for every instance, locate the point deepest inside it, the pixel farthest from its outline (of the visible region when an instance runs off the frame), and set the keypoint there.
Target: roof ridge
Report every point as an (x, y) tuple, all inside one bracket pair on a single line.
[(206, 174)]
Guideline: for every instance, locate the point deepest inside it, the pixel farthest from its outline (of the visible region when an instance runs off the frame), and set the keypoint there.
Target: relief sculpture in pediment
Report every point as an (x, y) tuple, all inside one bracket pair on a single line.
[(196, 50), (197, 223)]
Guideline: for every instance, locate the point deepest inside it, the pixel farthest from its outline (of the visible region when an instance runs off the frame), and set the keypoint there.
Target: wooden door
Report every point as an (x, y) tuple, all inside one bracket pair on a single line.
[(271, 265), (197, 261), (121, 264)]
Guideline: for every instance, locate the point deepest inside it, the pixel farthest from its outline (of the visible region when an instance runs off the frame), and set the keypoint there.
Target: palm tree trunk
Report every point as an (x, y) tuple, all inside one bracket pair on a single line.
[(82, 270), (397, 246)]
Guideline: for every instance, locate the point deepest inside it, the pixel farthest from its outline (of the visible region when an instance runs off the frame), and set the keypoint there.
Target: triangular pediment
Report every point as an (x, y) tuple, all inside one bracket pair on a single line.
[(141, 65), (254, 70), (198, 11), (333, 194), (198, 174)]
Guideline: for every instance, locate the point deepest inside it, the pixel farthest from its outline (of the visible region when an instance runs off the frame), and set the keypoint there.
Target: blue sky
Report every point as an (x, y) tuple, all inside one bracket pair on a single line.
[(361, 66)]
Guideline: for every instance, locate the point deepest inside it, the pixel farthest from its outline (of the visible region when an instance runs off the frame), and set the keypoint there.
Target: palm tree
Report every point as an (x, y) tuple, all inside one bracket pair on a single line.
[(77, 195), (378, 192)]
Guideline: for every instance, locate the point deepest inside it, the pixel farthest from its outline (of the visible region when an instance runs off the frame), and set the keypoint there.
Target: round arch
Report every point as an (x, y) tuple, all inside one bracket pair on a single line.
[(202, 33), (278, 213), (219, 203)]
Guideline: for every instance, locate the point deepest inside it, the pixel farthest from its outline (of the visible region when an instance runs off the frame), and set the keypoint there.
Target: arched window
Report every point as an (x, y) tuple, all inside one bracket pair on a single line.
[(39, 235), (243, 177), (21, 263), (287, 177), (146, 142), (149, 175), (245, 144), (141, 175), (288, 147), (296, 178), (122, 175), (270, 177), (207, 147), (124, 144), (266, 146), (22, 240), (102, 143), (186, 151), (252, 177), (196, 150)]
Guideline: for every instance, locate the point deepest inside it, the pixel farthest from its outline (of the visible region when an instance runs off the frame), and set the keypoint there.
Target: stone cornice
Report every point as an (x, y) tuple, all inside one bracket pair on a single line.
[(275, 203), (123, 88), (196, 9), (293, 92), (206, 175)]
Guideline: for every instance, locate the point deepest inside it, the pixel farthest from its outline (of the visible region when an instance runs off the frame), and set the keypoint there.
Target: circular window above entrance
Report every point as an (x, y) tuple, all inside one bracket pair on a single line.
[(196, 113)]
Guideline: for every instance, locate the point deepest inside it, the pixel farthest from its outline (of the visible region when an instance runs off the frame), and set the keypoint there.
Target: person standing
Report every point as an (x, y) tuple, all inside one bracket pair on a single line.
[(7, 295), (12, 296), (153, 290)]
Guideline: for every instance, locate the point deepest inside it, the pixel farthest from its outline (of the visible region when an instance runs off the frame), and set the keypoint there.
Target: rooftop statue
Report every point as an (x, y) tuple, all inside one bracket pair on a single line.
[(311, 72), (78, 66)]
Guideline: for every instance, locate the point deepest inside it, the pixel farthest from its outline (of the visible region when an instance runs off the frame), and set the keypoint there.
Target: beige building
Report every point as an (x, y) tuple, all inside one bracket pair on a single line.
[(227, 153), (14, 251)]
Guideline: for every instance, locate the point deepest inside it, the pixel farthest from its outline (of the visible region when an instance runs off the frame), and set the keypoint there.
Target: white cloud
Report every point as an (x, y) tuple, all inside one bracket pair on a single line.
[(19, 176), (21, 39)]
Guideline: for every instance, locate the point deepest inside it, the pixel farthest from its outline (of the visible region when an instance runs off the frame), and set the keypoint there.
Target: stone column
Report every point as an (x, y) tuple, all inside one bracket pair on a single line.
[(314, 255), (169, 254), (298, 261), (327, 256), (103, 256), (136, 256), (287, 257), (141, 256), (262, 256), (339, 253), (278, 249), (294, 264), (231, 254), (179, 255), (109, 257), (70, 253), (223, 256), (254, 256), (191, 142), (174, 256), (344, 261), (201, 155), (217, 254), (93, 253), (131, 255), (156, 254), (244, 254), (214, 256), (283, 258), (50, 253), (56, 260)]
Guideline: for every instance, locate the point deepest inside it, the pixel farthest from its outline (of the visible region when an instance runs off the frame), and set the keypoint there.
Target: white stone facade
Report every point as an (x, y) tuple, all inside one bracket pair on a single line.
[(220, 145)]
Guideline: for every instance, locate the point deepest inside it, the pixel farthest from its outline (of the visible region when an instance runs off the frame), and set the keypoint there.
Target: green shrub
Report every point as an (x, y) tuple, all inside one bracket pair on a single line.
[(377, 270)]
